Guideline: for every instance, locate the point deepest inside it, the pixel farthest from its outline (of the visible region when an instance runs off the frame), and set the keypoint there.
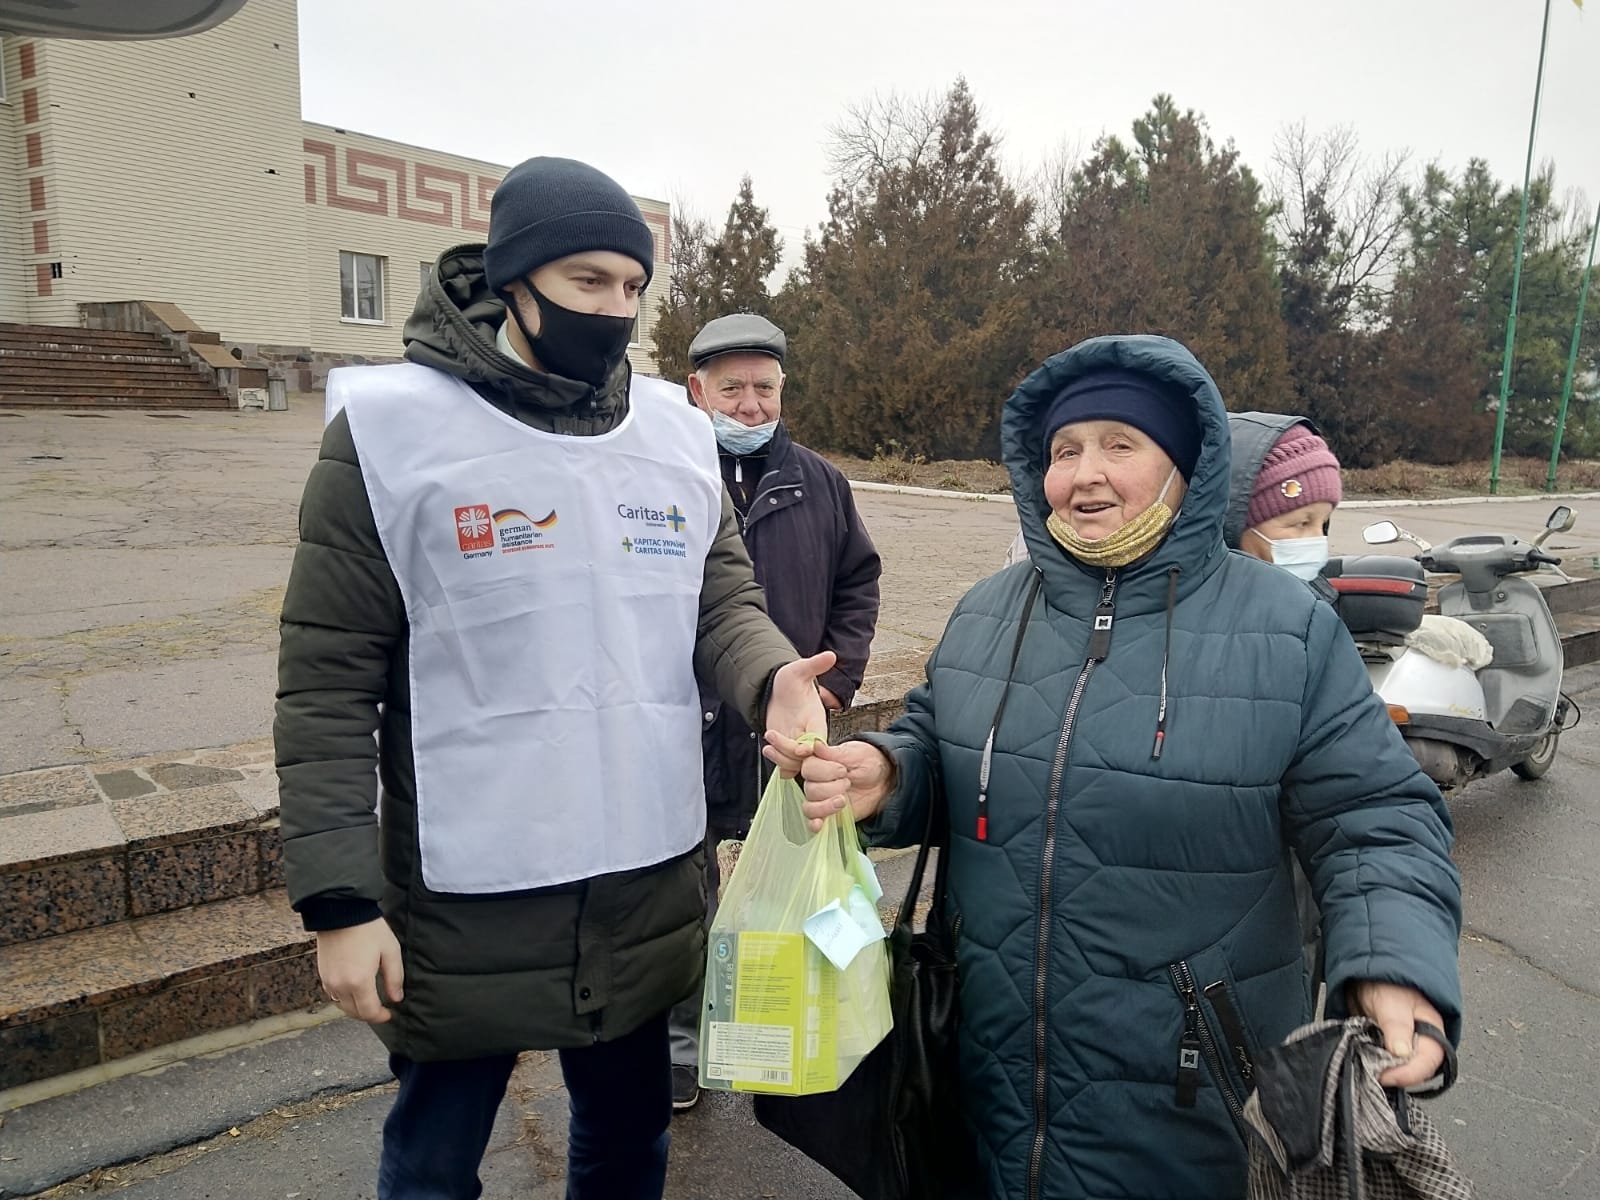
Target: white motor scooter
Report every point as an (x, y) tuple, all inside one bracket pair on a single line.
[(1477, 688)]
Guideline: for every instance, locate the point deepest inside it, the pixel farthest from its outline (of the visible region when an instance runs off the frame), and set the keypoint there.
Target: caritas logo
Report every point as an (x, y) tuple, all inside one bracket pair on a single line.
[(474, 529)]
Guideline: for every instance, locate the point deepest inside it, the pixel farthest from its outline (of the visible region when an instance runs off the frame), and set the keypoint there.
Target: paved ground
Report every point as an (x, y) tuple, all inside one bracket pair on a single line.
[(141, 563)]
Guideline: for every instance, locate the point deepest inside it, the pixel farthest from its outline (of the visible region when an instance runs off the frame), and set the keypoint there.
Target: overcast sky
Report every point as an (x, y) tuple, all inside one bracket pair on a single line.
[(678, 100)]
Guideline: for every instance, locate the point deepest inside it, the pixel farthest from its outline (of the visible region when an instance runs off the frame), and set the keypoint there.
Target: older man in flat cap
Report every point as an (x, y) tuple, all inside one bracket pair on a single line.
[(811, 554)]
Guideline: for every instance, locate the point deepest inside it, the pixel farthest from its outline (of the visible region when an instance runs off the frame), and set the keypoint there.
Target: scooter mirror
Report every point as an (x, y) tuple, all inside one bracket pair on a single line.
[(1380, 532), (1561, 520)]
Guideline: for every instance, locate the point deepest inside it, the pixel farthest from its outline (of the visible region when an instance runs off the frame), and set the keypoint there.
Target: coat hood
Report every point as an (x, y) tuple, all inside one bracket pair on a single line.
[(1194, 545), (1253, 434), (453, 329)]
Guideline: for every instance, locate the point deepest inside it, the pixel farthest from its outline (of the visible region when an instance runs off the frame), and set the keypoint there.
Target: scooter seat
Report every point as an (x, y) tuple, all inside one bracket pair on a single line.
[(1451, 641)]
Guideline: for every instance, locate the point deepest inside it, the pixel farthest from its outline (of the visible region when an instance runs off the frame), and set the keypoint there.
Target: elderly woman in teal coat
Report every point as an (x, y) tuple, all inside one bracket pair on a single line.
[(1132, 733)]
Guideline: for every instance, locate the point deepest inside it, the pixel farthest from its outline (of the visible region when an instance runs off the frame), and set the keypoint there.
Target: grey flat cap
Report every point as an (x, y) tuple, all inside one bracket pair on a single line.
[(741, 333)]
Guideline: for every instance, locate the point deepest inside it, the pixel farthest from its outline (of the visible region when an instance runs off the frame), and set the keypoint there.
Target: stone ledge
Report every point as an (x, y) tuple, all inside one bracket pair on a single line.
[(82, 999)]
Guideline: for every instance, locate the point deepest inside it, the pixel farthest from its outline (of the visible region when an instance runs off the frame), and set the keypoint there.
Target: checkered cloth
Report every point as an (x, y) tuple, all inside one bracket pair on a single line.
[(1315, 1091)]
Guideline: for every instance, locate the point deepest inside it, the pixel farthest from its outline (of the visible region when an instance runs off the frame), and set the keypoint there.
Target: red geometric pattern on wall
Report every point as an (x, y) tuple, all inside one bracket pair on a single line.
[(386, 185), (25, 55)]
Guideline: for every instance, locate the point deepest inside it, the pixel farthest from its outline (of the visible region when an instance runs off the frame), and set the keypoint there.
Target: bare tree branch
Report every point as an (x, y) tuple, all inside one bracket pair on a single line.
[(1050, 184), (880, 133), (1325, 177), (691, 233)]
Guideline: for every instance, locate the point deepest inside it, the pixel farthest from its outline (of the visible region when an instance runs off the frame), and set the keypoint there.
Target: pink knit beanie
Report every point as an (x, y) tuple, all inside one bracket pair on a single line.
[(1298, 470)]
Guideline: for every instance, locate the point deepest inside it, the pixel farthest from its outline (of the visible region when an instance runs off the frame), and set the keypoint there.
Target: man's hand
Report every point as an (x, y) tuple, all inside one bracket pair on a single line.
[(795, 707), (350, 961), (1397, 1009), (853, 773), (829, 701)]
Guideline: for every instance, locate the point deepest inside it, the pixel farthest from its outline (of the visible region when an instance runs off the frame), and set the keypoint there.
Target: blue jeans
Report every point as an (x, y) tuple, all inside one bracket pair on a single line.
[(620, 1103)]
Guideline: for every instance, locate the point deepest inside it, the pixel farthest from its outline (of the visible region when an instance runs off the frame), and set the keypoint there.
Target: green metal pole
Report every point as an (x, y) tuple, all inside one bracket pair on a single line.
[(1516, 272), (1572, 356)]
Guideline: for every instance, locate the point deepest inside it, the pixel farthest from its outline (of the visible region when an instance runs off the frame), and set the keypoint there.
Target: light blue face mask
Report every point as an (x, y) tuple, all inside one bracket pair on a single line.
[(738, 438), (1303, 558)]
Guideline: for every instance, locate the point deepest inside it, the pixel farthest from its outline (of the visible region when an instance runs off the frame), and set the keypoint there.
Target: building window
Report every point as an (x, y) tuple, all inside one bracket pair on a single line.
[(55, 270), (361, 287), (2, 70)]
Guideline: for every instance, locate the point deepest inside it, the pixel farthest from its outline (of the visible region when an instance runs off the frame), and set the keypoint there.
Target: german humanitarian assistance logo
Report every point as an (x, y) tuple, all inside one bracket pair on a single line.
[(474, 528), (518, 531)]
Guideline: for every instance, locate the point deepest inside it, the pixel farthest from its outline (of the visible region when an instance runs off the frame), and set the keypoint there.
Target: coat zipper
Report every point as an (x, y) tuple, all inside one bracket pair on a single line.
[(1198, 1039), (748, 518), (1099, 647)]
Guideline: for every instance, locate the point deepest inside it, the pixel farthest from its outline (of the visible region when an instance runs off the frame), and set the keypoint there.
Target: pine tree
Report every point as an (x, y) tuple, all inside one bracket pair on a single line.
[(1169, 235), (909, 319), (713, 277)]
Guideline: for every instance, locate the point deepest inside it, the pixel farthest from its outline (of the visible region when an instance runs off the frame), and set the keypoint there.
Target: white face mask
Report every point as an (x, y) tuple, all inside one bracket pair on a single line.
[(1303, 557)]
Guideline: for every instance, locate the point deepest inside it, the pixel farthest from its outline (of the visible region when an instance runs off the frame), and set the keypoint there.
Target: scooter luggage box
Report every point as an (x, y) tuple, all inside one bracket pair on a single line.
[(1381, 596)]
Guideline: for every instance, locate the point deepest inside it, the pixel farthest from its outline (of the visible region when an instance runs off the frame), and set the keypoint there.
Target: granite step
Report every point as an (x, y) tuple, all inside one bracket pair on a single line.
[(114, 402), (48, 336), (87, 846), (83, 999)]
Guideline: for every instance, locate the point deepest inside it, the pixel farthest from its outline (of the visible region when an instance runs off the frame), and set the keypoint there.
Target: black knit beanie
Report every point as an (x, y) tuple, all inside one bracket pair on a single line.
[(548, 208), (1159, 410)]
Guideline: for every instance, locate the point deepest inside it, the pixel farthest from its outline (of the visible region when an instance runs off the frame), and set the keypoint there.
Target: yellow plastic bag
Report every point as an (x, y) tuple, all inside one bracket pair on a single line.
[(797, 969)]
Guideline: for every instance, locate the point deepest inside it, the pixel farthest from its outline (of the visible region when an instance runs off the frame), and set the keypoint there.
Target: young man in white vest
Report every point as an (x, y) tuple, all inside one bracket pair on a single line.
[(515, 558)]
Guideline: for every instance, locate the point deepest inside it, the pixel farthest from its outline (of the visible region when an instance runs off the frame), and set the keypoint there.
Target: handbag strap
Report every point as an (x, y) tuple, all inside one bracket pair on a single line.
[(1442, 1082), (936, 834)]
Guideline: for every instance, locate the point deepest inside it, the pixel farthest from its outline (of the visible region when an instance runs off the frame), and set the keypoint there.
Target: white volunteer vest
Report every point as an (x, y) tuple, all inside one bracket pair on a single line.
[(552, 587)]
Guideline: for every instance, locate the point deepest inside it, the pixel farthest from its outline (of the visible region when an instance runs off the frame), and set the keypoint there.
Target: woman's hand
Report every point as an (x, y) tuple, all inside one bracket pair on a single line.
[(853, 773), (1397, 1009)]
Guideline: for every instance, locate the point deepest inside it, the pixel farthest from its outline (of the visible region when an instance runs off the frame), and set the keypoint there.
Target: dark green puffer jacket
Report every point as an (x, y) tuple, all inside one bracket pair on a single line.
[(1124, 908), (546, 969)]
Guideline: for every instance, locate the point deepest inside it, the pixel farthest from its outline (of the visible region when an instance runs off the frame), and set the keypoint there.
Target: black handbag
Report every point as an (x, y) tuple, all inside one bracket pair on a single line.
[(893, 1130)]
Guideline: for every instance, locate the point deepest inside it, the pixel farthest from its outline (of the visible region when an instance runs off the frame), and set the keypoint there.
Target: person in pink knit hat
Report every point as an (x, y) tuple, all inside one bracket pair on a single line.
[(1285, 487)]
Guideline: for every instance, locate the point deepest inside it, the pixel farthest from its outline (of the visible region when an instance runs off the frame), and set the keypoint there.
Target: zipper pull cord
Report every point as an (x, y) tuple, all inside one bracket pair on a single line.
[(1000, 710), (983, 784), (1166, 657)]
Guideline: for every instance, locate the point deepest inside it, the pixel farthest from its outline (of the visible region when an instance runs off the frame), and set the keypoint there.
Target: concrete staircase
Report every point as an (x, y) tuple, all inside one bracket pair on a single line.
[(46, 366), (141, 904)]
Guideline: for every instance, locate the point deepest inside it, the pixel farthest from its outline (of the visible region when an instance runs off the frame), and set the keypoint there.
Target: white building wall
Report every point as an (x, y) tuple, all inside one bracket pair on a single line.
[(175, 174)]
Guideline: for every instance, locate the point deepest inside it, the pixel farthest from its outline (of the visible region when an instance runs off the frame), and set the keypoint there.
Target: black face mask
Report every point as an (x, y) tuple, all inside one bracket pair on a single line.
[(583, 346)]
